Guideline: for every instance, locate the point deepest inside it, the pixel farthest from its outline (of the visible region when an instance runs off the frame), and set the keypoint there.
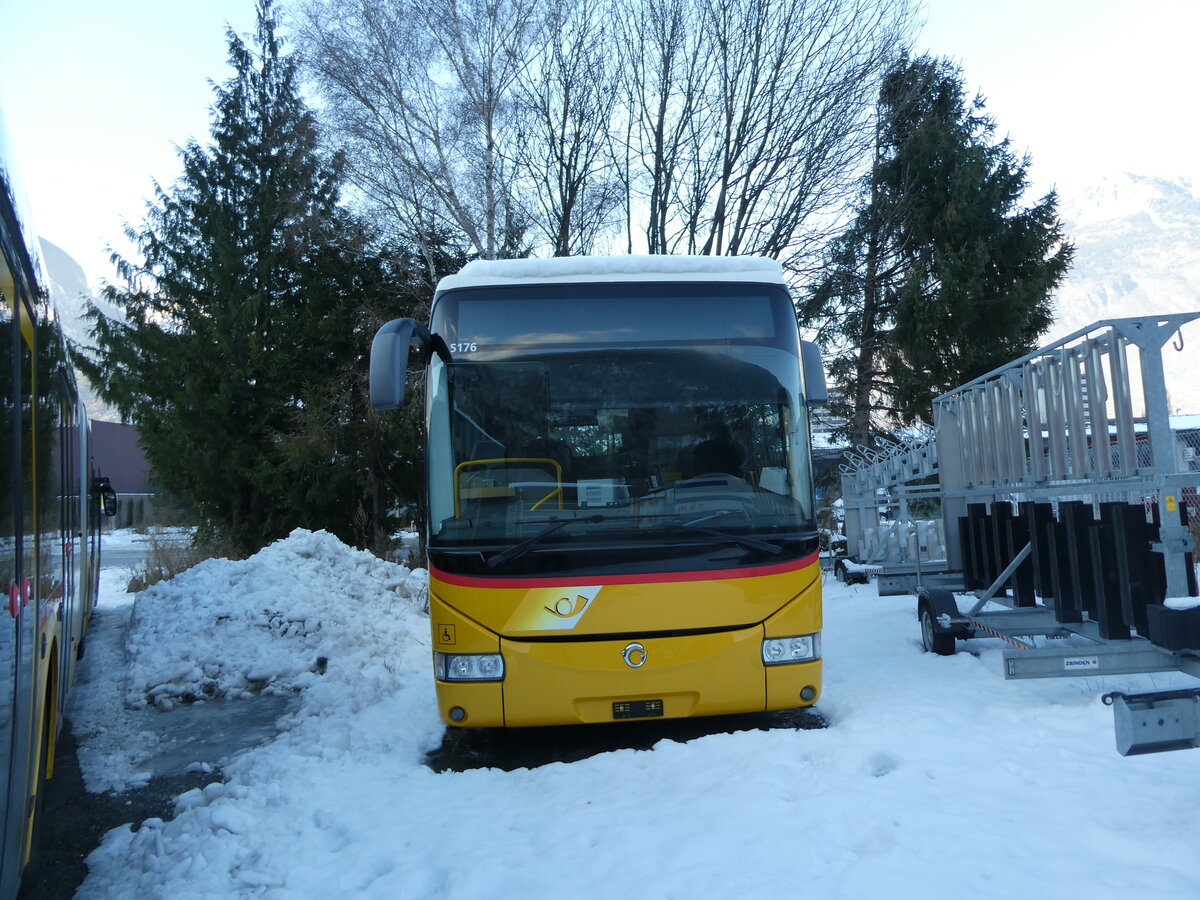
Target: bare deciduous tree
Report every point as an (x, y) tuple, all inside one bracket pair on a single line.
[(666, 71), (720, 126), (754, 116), (568, 102), (422, 95)]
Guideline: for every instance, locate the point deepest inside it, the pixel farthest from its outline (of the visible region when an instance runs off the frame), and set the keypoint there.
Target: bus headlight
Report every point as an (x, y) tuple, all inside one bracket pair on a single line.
[(468, 666), (801, 648)]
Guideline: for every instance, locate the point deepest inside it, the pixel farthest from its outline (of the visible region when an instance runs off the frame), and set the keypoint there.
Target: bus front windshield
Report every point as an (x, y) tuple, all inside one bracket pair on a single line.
[(597, 458)]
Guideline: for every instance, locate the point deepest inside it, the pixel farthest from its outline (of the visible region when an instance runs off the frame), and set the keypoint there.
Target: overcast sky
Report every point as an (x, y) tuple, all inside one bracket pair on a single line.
[(97, 96)]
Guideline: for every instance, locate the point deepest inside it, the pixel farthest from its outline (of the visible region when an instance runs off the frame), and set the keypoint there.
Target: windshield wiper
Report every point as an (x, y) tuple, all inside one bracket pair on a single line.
[(530, 542), (747, 543)]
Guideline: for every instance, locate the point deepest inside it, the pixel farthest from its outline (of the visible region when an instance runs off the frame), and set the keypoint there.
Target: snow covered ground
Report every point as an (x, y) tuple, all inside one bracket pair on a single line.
[(935, 777)]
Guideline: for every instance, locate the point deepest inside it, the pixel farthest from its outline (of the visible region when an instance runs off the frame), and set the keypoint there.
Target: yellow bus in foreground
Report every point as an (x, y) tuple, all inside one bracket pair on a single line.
[(620, 512)]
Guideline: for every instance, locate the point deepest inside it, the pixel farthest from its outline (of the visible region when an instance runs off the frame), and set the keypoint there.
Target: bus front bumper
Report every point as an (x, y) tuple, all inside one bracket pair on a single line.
[(594, 681)]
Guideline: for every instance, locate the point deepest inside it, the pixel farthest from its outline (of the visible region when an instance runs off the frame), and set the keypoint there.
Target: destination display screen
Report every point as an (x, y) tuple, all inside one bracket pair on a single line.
[(614, 314)]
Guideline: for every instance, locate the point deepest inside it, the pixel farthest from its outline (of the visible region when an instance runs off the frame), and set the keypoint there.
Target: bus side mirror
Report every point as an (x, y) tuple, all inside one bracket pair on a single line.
[(106, 497), (815, 390), (389, 359), (389, 363)]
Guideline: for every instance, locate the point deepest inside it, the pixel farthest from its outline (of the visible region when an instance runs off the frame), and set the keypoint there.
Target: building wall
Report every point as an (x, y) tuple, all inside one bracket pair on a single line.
[(118, 454)]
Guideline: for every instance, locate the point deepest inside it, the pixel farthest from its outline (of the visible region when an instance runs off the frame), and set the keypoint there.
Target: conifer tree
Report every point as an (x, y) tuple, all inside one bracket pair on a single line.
[(943, 274), (379, 458), (243, 315)]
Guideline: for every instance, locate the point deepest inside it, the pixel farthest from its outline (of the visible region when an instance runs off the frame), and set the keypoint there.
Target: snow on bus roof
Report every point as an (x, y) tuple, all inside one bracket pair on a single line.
[(484, 272)]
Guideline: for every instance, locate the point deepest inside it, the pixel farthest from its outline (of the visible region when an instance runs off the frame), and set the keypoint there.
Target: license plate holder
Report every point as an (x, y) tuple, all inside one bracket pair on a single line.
[(637, 709)]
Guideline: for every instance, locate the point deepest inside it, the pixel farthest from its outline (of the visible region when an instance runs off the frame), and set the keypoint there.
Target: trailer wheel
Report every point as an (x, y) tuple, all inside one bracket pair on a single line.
[(932, 640)]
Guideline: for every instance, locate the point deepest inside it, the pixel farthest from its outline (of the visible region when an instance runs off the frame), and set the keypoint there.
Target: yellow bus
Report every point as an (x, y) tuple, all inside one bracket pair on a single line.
[(620, 518), (50, 504)]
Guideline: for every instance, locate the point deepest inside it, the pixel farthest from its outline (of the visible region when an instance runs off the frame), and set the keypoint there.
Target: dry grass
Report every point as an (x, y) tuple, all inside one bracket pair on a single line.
[(168, 554)]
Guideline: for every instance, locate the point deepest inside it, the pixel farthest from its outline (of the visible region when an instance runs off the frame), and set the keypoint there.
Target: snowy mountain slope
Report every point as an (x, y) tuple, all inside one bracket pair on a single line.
[(1137, 252)]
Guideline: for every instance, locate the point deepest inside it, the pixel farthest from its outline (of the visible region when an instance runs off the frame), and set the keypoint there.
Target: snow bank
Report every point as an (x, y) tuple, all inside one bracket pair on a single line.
[(275, 622), (935, 775)]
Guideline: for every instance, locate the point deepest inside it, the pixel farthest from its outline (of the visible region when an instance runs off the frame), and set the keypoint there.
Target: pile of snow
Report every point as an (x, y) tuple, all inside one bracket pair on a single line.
[(228, 629), (935, 775)]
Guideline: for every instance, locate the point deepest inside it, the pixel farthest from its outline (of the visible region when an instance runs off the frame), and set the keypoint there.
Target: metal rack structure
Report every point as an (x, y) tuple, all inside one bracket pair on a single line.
[(1065, 514), (892, 476)]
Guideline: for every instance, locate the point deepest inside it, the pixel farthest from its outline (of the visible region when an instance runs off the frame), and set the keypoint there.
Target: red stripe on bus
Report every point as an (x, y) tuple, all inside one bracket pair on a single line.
[(648, 578)]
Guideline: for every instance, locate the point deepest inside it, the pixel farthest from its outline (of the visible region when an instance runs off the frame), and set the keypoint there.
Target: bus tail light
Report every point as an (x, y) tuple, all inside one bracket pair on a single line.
[(783, 650), (468, 666)]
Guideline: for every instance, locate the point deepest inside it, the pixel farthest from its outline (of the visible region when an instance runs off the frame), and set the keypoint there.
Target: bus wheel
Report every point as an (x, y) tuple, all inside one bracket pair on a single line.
[(932, 640)]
